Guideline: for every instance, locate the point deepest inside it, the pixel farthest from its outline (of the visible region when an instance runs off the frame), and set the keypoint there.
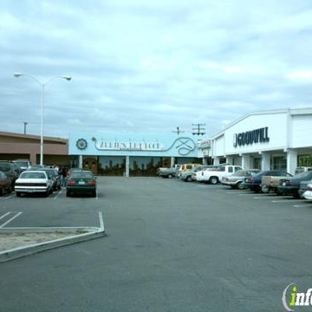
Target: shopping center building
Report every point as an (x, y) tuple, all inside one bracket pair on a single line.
[(131, 155), (273, 139)]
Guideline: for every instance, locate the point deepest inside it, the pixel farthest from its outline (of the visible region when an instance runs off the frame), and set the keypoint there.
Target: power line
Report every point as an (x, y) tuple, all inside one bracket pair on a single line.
[(198, 129)]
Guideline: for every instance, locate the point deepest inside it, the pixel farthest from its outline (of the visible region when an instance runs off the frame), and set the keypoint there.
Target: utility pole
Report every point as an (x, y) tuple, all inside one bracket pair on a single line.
[(178, 131), (198, 129), (25, 125)]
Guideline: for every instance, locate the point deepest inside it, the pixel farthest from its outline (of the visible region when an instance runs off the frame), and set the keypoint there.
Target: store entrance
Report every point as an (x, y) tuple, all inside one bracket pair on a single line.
[(90, 163)]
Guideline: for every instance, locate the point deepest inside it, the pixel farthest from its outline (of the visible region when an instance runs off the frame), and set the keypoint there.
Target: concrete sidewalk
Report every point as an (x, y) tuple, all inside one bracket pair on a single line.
[(24, 241)]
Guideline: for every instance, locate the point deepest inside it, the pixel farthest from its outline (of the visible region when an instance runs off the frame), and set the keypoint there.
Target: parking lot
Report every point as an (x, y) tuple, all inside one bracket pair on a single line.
[(34, 210), (170, 246)]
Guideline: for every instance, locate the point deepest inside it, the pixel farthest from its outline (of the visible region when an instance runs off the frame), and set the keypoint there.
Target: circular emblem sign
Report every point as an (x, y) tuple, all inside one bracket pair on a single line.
[(82, 144)]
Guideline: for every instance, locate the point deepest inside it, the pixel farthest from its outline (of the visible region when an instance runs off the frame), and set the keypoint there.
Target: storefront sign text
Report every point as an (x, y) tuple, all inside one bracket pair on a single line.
[(250, 137)]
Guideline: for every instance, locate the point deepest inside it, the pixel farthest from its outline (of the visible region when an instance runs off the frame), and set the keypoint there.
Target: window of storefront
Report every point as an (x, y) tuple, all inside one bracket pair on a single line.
[(256, 163), (304, 160), (279, 163)]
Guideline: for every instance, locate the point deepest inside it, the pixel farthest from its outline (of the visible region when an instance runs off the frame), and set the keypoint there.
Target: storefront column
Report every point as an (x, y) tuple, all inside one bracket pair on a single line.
[(291, 161), (127, 166), (265, 161), (216, 161), (172, 162), (80, 164), (246, 162), (229, 160)]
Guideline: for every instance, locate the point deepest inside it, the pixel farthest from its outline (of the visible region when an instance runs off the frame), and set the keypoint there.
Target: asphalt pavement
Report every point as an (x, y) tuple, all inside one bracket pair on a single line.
[(170, 246)]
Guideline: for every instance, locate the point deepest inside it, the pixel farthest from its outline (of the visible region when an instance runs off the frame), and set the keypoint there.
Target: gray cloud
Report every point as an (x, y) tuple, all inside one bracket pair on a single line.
[(141, 67)]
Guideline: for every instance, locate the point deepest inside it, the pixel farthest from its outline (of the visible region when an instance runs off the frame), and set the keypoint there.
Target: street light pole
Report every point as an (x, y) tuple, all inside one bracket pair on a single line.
[(17, 75)]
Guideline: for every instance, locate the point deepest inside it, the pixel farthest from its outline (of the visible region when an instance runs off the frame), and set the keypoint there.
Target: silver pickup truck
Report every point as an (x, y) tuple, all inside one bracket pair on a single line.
[(271, 183)]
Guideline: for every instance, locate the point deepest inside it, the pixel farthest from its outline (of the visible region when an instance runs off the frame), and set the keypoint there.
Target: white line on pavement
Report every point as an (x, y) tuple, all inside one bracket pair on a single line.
[(5, 215), (4, 224)]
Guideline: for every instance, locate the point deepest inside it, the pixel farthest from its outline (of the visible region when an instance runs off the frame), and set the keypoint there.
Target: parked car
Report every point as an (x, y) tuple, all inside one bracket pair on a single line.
[(186, 167), (10, 169), (5, 184), (308, 193), (302, 169), (168, 172), (54, 175), (81, 182), (291, 186), (214, 176), (72, 170), (33, 181), (235, 180), (254, 183), (196, 175), (271, 183), (303, 187), (187, 175), (23, 164)]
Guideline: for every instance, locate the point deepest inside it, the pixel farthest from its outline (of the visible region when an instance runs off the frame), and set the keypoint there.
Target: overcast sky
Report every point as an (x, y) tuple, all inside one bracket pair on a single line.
[(151, 66)]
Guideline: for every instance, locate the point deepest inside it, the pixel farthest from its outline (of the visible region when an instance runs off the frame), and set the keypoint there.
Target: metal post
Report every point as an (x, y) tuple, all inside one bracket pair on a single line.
[(41, 127)]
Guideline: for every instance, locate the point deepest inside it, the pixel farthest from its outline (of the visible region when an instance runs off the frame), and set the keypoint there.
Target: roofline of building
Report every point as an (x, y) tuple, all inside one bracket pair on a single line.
[(295, 111), (30, 136)]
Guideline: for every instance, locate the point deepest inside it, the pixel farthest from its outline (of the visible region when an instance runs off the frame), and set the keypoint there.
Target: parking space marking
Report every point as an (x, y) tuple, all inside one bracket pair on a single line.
[(5, 215), (286, 200), (304, 205), (11, 219), (58, 194)]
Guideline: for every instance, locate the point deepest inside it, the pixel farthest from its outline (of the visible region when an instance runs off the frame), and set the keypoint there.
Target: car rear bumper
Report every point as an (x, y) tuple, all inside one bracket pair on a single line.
[(31, 190)]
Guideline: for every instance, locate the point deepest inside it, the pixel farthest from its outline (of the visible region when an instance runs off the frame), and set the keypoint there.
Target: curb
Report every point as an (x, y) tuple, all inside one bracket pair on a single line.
[(19, 252)]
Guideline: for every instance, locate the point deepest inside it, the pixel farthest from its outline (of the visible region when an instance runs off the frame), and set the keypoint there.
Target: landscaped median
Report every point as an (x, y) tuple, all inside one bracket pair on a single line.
[(24, 241)]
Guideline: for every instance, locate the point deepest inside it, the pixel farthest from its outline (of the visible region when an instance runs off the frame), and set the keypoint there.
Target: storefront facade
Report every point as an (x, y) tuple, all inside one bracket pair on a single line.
[(136, 155), (276, 139)]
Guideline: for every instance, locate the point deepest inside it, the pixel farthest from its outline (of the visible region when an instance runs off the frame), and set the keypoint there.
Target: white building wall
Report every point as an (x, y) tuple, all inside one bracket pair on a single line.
[(288, 131), (301, 131), (275, 124)]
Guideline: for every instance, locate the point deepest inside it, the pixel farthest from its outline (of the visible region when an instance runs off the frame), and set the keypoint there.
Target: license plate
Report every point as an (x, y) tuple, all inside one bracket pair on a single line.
[(81, 183)]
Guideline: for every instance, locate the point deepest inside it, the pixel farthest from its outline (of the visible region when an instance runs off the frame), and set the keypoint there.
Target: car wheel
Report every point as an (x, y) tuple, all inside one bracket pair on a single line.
[(188, 179), (213, 180), (170, 176), (67, 194), (18, 194), (2, 192), (94, 194), (264, 189), (240, 185)]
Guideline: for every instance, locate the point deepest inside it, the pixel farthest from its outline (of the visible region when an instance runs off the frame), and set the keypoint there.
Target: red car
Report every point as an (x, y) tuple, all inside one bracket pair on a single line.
[(5, 184)]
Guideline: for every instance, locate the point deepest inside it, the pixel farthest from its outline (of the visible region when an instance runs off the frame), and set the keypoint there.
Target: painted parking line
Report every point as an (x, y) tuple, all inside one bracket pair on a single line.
[(304, 205), (54, 197), (15, 215), (287, 200)]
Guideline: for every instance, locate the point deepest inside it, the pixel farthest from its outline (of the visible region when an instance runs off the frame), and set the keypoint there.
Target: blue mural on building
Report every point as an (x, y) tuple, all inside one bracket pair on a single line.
[(138, 145)]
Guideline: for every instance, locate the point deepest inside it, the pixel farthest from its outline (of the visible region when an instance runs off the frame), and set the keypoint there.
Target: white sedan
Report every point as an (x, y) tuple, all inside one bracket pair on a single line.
[(308, 193), (33, 182)]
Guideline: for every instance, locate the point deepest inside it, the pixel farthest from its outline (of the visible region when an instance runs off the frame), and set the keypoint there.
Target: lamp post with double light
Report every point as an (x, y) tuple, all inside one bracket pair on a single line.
[(17, 75)]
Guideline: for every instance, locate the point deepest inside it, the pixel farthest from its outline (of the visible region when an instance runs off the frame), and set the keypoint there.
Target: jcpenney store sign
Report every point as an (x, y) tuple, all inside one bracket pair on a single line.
[(250, 137)]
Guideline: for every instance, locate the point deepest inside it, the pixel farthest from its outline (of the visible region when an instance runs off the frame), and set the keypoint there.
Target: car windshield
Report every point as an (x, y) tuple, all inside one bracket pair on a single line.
[(82, 175), (21, 163), (32, 175)]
